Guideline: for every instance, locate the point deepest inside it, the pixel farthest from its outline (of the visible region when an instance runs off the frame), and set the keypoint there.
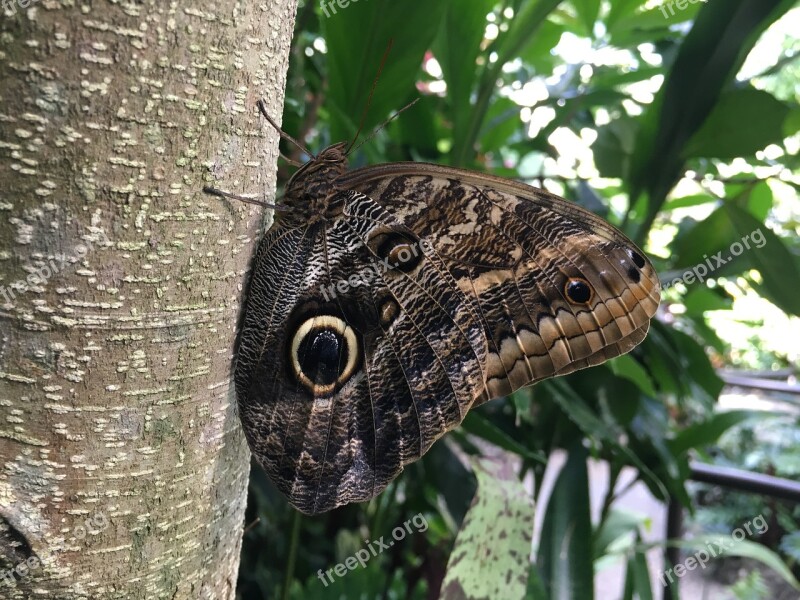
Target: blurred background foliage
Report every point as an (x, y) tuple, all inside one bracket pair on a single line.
[(676, 121)]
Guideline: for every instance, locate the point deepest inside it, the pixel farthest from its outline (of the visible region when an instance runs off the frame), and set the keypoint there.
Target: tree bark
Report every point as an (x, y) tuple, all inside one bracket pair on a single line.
[(123, 469)]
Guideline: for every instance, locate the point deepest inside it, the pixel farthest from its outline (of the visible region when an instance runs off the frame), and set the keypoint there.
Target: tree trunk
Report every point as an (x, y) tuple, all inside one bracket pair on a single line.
[(123, 469)]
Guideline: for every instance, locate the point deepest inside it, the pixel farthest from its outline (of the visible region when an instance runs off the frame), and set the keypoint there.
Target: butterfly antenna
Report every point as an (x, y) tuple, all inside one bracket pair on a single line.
[(385, 123), (219, 193), (371, 92), (263, 108), (291, 161)]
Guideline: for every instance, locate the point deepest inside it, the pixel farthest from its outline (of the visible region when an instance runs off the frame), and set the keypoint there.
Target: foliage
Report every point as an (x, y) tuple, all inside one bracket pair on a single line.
[(772, 446), (515, 85)]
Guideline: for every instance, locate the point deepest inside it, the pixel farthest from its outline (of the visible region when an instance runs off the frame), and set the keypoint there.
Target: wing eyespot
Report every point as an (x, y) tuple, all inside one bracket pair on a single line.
[(578, 290), (398, 251), (389, 310), (324, 354), (637, 258)]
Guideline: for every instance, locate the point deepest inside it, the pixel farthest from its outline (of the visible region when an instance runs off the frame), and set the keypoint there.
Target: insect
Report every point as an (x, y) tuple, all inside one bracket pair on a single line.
[(387, 301)]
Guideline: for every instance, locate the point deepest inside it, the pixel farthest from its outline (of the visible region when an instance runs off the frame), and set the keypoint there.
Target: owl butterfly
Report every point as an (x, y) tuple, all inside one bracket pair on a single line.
[(387, 301)]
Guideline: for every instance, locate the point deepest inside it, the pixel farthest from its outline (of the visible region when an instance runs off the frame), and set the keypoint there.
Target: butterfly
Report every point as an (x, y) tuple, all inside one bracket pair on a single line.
[(387, 301)]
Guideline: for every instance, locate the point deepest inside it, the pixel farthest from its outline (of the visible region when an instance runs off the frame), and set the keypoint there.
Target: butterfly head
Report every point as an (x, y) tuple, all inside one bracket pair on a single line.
[(312, 186)]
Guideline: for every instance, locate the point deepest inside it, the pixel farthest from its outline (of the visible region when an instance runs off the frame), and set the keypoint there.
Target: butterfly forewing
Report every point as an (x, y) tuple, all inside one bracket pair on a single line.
[(558, 288)]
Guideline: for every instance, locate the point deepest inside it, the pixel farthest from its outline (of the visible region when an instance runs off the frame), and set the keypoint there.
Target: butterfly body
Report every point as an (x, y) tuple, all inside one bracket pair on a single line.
[(391, 299)]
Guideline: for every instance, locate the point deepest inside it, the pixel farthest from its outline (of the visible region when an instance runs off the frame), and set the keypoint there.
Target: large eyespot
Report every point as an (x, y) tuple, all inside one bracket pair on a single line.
[(324, 353), (397, 251), (578, 290)]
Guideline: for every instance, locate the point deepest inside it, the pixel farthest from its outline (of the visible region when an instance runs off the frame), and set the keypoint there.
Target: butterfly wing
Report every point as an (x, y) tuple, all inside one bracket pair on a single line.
[(557, 288), (348, 369)]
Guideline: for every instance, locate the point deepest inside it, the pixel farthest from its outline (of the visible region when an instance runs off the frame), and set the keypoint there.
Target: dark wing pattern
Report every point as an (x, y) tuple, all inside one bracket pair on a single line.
[(369, 335)]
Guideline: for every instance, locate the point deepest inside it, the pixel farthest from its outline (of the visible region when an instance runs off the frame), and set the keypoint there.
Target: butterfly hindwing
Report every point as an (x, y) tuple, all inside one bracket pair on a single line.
[(419, 343)]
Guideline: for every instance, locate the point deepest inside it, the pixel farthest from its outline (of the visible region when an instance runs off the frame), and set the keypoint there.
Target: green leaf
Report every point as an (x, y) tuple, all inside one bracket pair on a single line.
[(687, 201), (639, 575), (536, 589), (705, 433), (693, 245), (619, 524), (577, 410), (663, 360), (502, 122), (491, 554), (709, 57), (742, 123), (621, 10), (478, 425), (760, 200), (613, 147), (564, 558), (587, 13), (792, 123), (698, 371), (357, 37), (626, 366), (701, 299), (538, 53), (778, 267)]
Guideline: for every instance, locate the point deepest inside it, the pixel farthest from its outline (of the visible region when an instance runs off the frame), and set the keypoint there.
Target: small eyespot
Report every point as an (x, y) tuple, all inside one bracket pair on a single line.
[(389, 311), (398, 251), (324, 353), (637, 258), (634, 274), (578, 290)]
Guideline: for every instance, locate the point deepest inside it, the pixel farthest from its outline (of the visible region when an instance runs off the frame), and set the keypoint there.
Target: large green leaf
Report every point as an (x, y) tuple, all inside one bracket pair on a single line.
[(491, 554), (695, 244), (779, 268), (587, 13), (476, 424), (521, 32), (357, 38), (564, 557), (457, 48), (708, 431), (743, 122), (637, 577), (626, 366), (702, 299)]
